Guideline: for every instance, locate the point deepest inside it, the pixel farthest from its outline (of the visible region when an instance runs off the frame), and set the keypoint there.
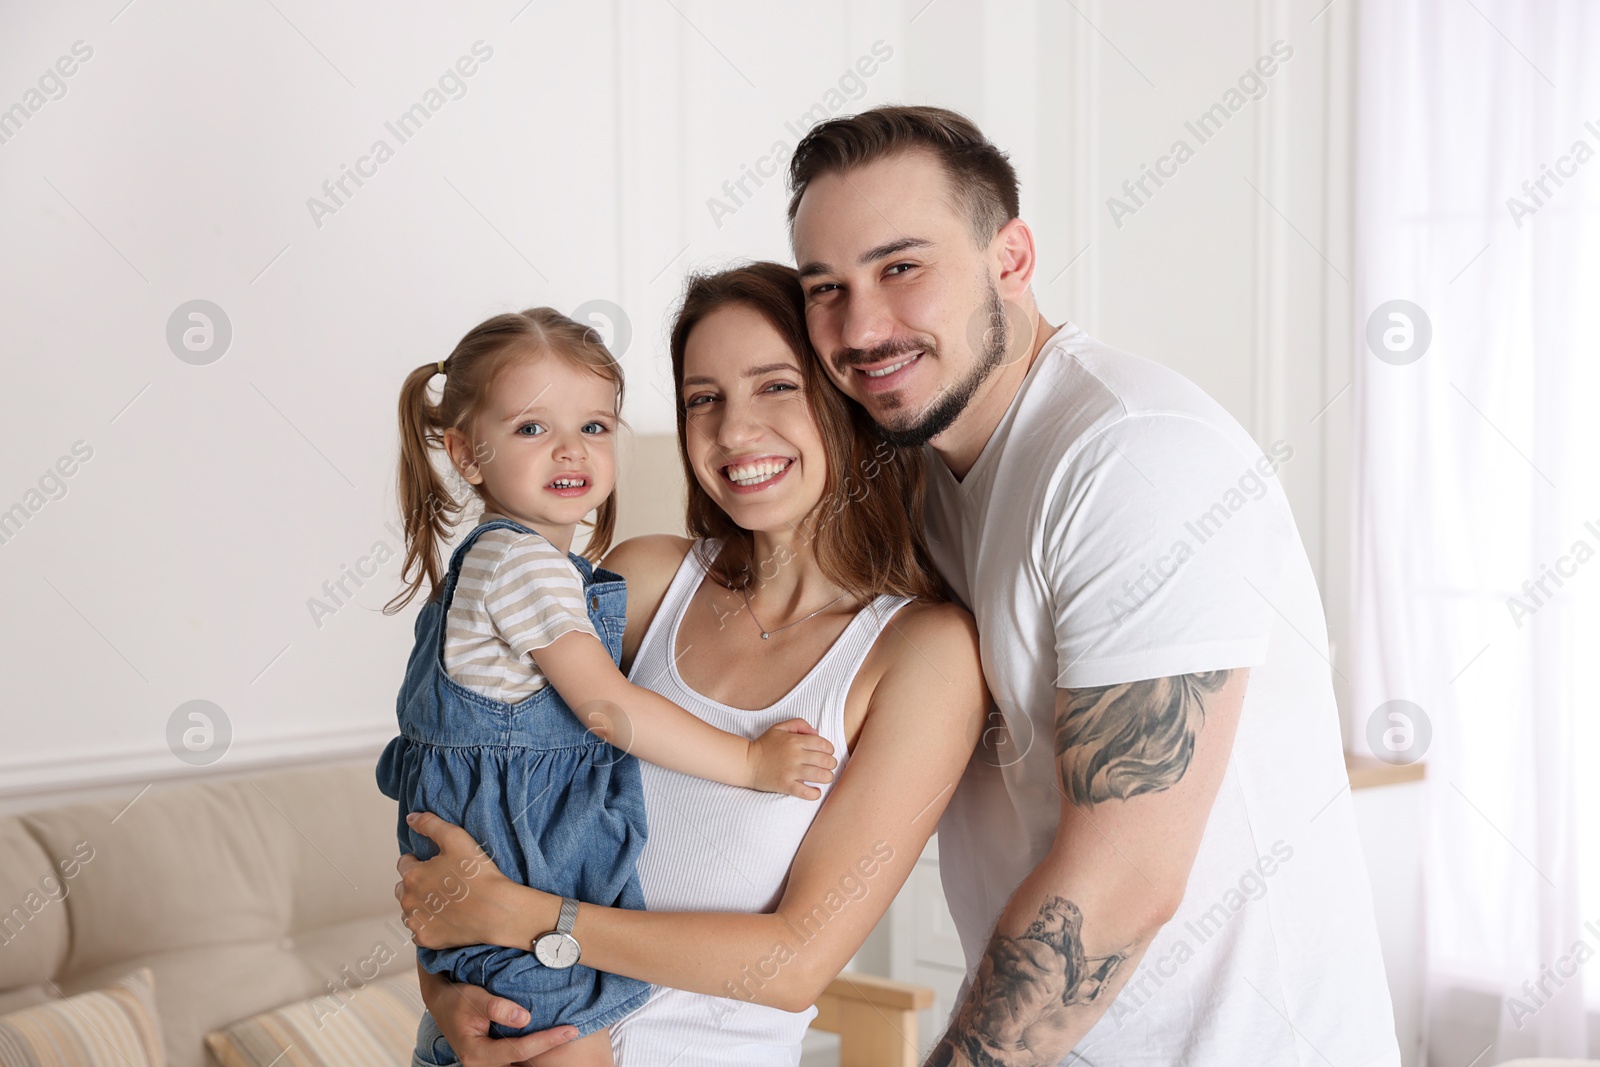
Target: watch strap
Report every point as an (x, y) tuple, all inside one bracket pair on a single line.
[(568, 916)]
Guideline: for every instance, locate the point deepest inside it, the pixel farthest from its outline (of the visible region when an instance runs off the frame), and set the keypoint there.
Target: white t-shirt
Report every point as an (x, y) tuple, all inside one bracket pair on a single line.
[(1118, 526)]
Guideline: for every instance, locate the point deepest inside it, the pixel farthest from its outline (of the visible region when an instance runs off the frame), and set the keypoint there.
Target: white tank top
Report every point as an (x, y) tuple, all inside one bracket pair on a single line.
[(714, 847)]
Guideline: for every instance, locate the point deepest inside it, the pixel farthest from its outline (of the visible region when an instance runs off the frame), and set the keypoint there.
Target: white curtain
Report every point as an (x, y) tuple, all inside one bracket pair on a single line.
[(1478, 514)]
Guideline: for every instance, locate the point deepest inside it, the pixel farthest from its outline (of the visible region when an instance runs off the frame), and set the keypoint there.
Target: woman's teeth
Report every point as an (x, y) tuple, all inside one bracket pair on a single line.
[(889, 369), (755, 473)]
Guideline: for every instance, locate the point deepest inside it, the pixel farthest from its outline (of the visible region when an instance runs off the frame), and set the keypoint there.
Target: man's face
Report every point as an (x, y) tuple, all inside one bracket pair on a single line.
[(901, 304)]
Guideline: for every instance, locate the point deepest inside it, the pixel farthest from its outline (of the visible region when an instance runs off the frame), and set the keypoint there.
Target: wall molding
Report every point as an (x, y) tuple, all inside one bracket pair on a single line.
[(61, 778)]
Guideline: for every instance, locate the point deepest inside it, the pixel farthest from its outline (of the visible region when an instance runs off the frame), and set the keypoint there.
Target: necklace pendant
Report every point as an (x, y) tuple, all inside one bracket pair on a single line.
[(765, 635)]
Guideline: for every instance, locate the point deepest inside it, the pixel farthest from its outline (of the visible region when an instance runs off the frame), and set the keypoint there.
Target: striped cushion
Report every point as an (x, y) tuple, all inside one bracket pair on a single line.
[(112, 1027), (374, 1025)]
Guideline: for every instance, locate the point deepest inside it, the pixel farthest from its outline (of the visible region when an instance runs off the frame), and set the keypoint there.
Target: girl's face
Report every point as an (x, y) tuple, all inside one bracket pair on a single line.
[(752, 439), (544, 446)]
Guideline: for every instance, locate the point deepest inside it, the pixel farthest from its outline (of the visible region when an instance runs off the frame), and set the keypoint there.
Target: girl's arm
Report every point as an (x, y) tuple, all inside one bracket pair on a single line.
[(647, 724), (536, 607), (925, 715)]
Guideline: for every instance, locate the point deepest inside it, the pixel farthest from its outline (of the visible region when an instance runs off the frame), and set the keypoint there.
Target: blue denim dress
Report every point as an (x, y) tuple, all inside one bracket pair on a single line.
[(555, 807)]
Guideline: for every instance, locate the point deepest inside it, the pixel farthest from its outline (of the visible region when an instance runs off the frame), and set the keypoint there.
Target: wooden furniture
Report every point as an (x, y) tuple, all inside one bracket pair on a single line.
[(875, 1018)]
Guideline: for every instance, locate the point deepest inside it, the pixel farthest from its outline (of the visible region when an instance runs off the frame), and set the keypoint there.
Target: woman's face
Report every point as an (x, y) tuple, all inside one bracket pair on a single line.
[(752, 439)]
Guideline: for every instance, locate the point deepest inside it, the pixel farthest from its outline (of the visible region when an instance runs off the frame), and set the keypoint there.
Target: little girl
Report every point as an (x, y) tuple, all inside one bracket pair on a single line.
[(515, 721)]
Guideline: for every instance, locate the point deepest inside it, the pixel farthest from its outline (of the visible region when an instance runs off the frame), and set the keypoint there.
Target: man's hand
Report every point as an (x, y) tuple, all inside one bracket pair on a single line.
[(457, 898), (463, 1014)]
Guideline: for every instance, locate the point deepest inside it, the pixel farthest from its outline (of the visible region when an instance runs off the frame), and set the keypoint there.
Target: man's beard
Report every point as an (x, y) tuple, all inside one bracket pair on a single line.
[(945, 409)]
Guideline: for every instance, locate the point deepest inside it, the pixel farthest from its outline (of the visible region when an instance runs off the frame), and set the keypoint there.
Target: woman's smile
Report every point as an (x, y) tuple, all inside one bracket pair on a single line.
[(756, 473)]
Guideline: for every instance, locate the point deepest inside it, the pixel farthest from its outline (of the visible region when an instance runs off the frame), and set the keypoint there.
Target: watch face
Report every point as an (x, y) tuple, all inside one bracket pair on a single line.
[(556, 950)]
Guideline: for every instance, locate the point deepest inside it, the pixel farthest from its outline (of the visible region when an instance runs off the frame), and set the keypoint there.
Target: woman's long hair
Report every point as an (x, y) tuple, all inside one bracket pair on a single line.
[(866, 532)]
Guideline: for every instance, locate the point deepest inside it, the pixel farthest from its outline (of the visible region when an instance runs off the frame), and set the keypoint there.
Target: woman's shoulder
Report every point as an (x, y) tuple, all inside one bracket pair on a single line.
[(925, 668), (639, 557), (943, 621), (936, 638), (648, 564)]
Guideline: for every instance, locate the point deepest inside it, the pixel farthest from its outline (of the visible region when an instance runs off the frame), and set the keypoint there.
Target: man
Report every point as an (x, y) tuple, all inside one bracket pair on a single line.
[(1151, 859)]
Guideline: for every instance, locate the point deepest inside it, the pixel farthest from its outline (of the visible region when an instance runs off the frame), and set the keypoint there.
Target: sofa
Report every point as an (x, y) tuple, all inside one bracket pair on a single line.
[(247, 893)]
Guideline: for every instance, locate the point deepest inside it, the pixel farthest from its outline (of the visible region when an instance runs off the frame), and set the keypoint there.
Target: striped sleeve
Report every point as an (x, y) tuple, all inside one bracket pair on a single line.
[(532, 594)]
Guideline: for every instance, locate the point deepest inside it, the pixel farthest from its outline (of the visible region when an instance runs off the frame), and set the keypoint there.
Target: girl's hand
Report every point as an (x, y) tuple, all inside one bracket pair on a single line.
[(463, 1014), (457, 898), (789, 755)]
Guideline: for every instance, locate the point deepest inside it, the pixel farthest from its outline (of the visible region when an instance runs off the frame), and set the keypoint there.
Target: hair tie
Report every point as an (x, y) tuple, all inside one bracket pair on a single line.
[(441, 366)]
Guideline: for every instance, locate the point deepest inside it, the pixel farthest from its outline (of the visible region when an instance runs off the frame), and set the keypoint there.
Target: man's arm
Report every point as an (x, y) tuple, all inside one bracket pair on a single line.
[(1139, 766), (463, 1014)]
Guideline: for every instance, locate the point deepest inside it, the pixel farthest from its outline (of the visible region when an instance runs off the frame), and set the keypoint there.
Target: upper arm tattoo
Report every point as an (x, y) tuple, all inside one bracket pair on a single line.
[(1033, 994), (1117, 741)]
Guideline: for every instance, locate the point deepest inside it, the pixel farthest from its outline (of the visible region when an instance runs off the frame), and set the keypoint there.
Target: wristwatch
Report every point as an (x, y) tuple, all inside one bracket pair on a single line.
[(558, 948)]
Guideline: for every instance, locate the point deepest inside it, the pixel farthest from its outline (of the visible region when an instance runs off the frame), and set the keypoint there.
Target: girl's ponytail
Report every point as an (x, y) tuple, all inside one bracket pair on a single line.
[(428, 508)]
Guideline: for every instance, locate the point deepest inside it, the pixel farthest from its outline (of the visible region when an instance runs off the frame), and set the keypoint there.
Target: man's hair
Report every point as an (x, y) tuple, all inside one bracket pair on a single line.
[(980, 175)]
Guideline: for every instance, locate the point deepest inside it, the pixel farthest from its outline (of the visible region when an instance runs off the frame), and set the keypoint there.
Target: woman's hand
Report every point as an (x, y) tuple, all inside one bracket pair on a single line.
[(463, 1013), (460, 897)]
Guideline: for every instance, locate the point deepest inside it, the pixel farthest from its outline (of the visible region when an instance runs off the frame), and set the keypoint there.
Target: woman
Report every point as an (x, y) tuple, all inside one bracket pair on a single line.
[(808, 592)]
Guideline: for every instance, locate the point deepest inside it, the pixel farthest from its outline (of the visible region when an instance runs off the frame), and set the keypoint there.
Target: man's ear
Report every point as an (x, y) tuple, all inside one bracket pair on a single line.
[(1018, 258)]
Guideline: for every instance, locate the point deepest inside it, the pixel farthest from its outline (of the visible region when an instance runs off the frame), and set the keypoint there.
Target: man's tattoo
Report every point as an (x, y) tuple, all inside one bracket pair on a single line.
[(1024, 991), (1117, 741)]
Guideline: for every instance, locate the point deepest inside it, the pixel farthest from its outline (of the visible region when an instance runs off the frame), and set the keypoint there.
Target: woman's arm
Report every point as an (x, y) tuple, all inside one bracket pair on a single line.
[(925, 714)]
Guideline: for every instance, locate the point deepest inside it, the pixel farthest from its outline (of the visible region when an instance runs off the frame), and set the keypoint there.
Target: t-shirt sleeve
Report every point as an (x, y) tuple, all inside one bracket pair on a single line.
[(1163, 545), (534, 595)]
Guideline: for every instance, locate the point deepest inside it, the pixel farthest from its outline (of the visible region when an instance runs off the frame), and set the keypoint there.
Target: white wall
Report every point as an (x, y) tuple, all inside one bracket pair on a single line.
[(580, 163)]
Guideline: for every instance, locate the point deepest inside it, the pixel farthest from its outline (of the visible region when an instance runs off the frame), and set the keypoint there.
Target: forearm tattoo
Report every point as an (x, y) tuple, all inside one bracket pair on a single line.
[(1118, 741), (1112, 742), (1025, 988)]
